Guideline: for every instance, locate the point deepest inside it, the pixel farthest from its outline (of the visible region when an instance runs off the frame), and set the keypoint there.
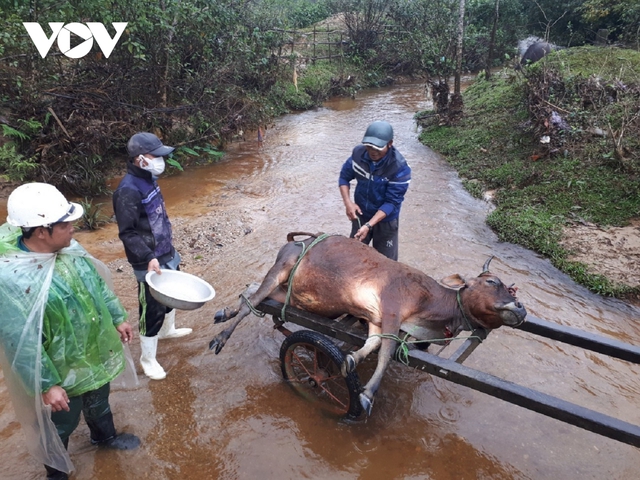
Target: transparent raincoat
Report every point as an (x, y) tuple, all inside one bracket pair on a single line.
[(71, 343)]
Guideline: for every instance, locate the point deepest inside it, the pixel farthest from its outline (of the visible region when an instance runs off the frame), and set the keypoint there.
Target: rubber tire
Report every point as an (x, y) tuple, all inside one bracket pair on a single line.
[(331, 357)]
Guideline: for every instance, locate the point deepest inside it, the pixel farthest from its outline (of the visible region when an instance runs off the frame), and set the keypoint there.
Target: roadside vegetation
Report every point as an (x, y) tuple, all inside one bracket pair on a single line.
[(199, 72), (557, 144)]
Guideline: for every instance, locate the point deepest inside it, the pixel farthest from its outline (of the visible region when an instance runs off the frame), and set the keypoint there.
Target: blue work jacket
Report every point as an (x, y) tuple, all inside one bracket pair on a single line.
[(380, 185)]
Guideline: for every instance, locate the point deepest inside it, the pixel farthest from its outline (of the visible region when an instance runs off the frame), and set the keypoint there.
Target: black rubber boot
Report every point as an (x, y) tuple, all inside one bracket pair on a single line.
[(103, 434), (53, 474), (122, 441)]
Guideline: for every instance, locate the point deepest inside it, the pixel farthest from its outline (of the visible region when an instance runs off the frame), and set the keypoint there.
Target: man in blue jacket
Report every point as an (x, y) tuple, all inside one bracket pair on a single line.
[(382, 178)]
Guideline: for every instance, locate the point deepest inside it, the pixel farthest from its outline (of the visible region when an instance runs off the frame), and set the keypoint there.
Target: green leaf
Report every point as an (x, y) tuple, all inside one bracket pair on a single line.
[(189, 151), (8, 131), (174, 163)]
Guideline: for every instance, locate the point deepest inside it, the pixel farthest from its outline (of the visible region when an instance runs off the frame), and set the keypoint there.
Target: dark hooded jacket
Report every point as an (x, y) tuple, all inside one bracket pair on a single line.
[(143, 224)]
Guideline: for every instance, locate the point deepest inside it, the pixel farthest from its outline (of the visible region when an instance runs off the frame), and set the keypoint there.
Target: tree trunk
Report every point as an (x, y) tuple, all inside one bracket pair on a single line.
[(456, 87), (440, 96), (455, 109), (492, 40), (167, 65), (456, 105)]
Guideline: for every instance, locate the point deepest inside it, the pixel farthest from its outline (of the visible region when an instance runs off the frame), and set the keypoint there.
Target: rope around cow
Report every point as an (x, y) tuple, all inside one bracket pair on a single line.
[(402, 352), (304, 251)]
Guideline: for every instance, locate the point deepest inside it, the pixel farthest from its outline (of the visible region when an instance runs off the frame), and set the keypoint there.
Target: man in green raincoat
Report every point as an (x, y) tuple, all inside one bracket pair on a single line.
[(61, 328)]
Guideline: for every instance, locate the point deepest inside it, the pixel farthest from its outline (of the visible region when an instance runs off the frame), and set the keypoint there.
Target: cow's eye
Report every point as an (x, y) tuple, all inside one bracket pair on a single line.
[(492, 281)]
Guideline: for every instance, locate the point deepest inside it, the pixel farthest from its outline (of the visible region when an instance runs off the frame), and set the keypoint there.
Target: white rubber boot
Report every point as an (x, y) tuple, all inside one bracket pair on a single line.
[(152, 369), (169, 329)]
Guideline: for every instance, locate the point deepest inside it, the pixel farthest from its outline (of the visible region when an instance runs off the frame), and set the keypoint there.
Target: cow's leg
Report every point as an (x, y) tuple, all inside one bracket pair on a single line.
[(370, 389), (278, 274), (228, 313), (269, 284), (224, 314), (220, 340), (352, 360)]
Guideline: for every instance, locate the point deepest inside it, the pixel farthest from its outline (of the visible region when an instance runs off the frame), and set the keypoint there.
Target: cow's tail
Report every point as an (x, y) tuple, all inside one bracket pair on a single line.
[(291, 236)]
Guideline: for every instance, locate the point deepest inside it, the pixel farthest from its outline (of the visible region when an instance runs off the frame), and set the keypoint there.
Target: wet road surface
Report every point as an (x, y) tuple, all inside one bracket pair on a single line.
[(231, 416)]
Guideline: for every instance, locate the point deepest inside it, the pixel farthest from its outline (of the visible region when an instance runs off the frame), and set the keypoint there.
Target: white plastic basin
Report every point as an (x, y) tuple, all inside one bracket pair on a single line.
[(179, 289)]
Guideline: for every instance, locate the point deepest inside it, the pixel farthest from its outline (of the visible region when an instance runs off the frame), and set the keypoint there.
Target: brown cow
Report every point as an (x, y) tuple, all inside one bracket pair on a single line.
[(341, 275)]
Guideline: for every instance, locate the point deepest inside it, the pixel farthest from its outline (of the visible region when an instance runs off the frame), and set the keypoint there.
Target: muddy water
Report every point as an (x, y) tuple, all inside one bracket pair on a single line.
[(231, 416)]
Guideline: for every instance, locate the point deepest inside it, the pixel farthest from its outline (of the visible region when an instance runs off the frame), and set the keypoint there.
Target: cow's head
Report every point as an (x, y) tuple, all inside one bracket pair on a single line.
[(487, 300)]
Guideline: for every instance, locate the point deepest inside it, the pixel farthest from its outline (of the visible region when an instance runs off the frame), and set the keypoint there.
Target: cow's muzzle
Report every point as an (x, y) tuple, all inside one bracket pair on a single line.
[(513, 314)]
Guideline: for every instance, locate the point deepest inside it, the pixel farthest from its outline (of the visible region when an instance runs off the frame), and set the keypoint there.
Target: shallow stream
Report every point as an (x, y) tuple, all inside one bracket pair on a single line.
[(231, 416)]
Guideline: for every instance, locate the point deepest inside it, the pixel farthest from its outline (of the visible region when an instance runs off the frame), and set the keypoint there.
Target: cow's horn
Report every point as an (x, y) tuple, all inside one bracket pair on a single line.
[(485, 269)]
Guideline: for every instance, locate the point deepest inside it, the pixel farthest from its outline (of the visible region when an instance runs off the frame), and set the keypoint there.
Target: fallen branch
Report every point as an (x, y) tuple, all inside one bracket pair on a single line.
[(59, 122)]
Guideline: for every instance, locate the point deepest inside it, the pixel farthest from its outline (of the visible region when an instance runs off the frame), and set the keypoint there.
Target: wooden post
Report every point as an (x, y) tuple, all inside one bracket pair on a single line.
[(314, 45)]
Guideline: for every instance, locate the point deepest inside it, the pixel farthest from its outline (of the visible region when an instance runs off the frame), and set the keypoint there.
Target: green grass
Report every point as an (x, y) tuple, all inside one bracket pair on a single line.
[(317, 82), (540, 189), (605, 63)]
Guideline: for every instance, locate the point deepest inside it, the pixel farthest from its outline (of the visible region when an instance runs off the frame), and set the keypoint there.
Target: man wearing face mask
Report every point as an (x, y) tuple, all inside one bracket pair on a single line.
[(145, 231)]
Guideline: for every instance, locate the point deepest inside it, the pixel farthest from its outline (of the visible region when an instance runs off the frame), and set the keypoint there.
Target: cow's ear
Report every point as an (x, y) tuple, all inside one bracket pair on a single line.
[(453, 281)]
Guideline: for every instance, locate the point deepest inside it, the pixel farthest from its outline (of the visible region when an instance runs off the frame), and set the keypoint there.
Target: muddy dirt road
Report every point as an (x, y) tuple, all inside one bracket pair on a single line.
[(231, 416)]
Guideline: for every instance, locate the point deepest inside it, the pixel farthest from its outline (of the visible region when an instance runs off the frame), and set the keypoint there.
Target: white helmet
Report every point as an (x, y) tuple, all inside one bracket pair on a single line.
[(40, 205)]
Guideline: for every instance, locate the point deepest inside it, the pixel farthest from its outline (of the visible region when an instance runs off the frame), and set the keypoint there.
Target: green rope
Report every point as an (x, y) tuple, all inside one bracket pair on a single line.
[(143, 315), (305, 249), (462, 310), (257, 313), (402, 352)]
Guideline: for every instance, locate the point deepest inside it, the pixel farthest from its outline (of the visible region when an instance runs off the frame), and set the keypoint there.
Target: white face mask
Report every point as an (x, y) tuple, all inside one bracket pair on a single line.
[(153, 165)]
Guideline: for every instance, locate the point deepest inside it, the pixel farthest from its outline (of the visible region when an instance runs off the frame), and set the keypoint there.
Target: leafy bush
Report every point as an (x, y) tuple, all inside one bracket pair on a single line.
[(92, 216), (316, 82), (305, 13), (16, 167)]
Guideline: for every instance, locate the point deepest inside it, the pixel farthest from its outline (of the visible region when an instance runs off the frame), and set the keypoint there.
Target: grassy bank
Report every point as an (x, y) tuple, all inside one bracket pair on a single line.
[(558, 144)]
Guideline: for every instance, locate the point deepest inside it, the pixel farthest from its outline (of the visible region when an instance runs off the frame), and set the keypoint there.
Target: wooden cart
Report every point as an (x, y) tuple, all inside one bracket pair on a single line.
[(311, 363)]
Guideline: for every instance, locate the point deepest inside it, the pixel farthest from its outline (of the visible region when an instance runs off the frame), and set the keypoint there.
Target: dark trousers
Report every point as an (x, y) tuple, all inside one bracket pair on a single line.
[(151, 312), (383, 234), (94, 405)]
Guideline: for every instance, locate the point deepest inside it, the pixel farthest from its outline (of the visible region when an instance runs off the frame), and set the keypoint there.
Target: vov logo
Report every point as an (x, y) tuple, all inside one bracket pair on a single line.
[(89, 32)]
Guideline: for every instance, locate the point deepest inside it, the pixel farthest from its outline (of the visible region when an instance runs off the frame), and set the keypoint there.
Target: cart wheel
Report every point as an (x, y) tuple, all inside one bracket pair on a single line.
[(311, 363)]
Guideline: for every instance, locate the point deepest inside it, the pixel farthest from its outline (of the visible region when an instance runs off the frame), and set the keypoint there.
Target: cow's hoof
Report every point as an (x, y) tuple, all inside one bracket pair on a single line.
[(220, 317), (216, 344), (367, 403), (348, 366)]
